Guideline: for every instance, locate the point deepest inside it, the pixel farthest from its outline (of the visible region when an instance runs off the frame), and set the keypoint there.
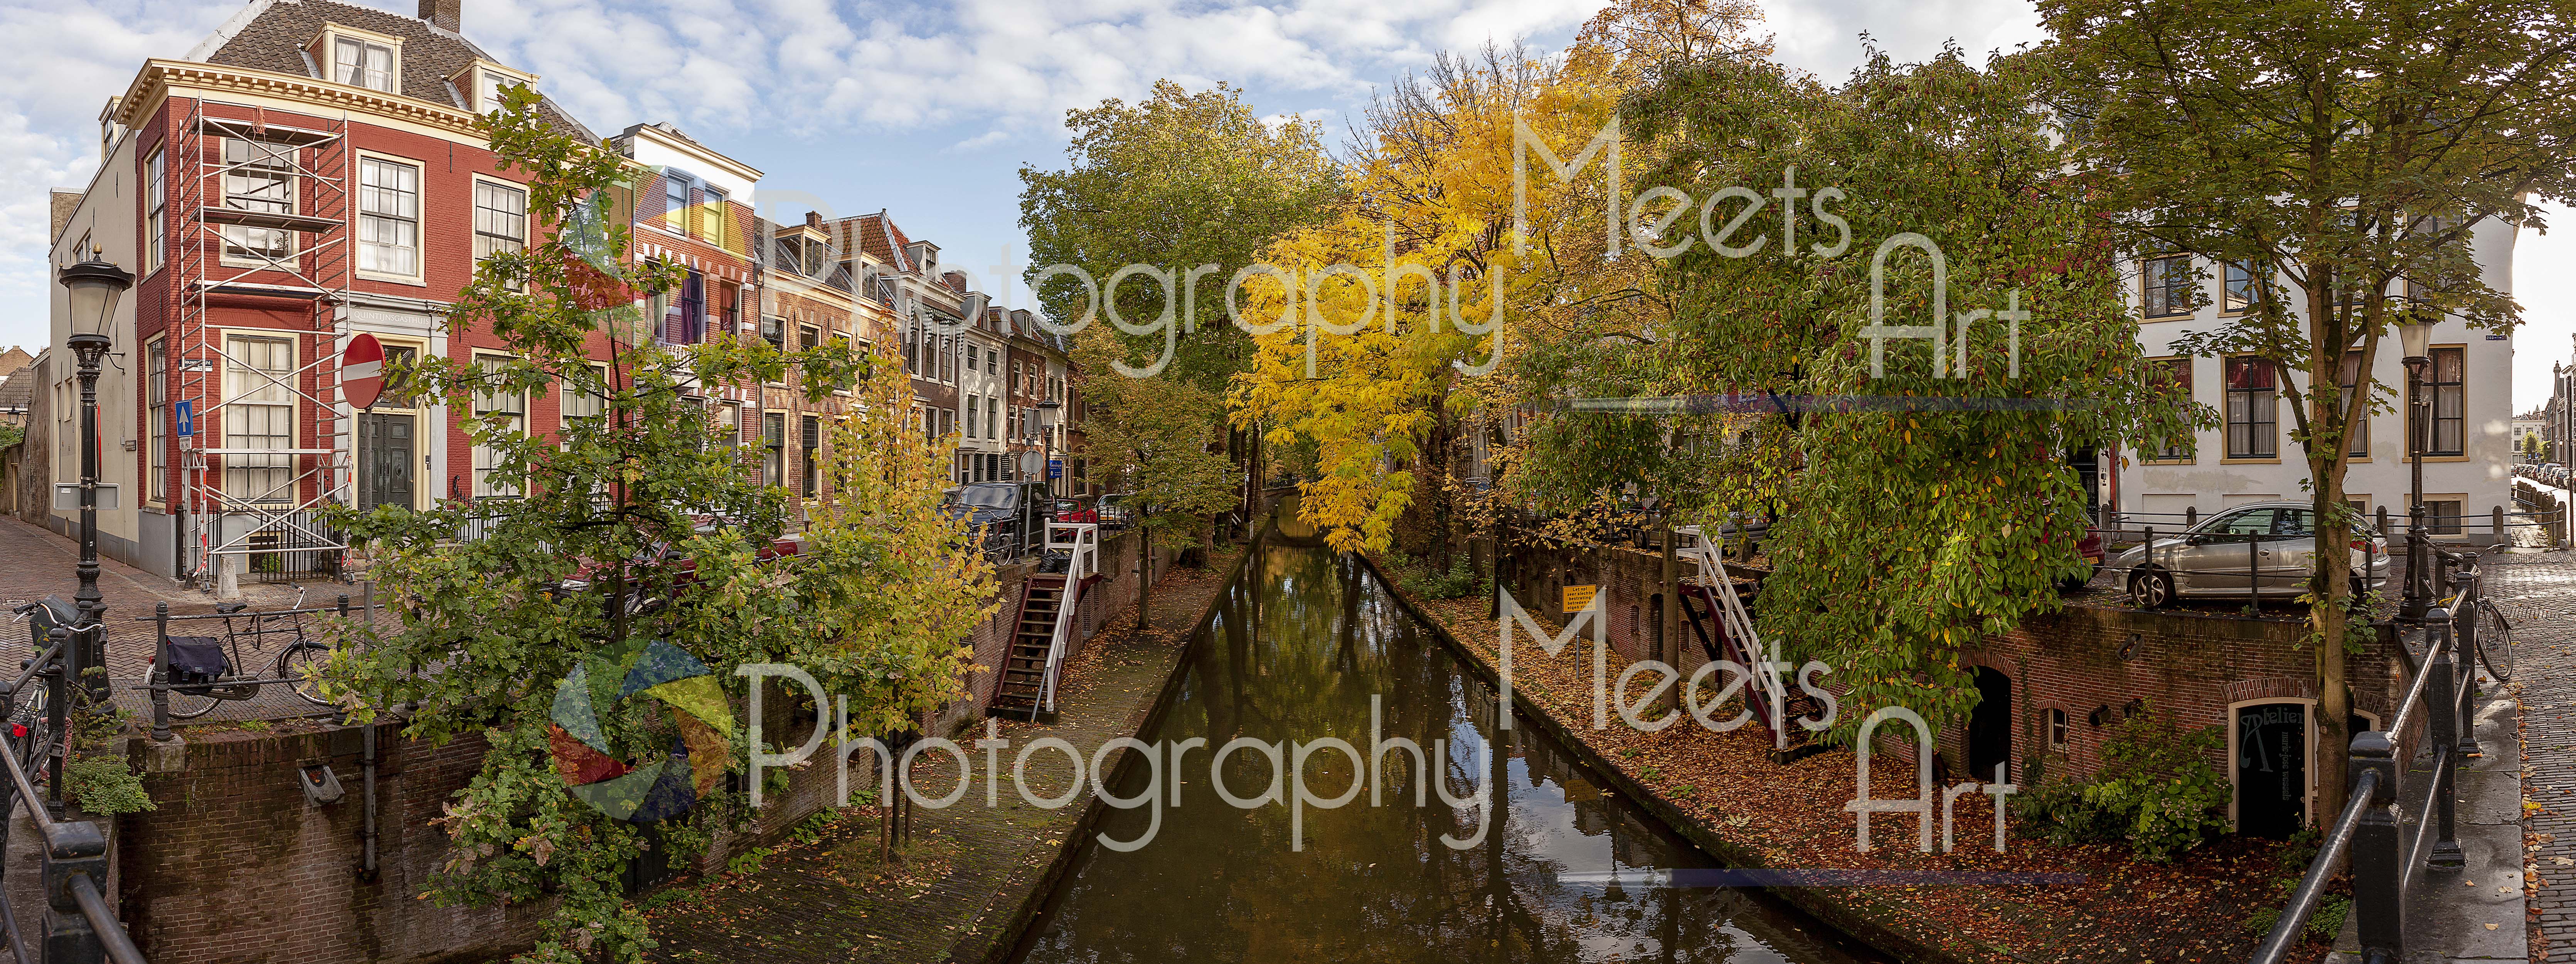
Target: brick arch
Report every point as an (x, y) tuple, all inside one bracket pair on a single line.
[(2269, 688)]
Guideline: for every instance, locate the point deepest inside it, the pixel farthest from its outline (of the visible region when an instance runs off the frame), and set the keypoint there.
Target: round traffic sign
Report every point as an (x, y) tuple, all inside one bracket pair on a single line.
[(362, 371)]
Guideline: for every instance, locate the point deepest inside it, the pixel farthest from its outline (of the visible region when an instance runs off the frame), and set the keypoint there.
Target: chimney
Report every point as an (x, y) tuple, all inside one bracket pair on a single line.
[(814, 219), (446, 14)]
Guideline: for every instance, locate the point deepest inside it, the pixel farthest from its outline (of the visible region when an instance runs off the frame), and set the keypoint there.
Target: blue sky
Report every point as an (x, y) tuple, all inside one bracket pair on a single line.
[(929, 110)]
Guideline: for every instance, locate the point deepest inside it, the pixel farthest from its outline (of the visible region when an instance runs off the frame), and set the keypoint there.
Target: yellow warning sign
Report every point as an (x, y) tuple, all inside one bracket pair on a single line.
[(1578, 598)]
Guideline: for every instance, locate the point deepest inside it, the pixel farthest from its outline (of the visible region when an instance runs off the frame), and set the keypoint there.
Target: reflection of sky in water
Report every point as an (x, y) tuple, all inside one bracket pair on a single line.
[(1218, 885)]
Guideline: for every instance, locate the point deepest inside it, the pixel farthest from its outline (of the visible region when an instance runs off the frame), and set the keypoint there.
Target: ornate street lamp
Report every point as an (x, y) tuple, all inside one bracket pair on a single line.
[(96, 286), (1047, 412), (2415, 335)]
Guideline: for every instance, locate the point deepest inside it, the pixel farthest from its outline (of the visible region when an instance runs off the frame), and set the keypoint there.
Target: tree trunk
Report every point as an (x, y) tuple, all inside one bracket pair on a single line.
[(2329, 585)]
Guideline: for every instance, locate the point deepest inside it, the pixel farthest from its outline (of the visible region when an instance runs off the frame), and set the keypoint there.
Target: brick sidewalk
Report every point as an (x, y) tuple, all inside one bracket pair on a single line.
[(35, 563), (2537, 592)]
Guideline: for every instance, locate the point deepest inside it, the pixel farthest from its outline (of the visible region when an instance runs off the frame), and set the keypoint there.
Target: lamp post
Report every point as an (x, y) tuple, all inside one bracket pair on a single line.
[(96, 286), (1047, 412), (2415, 334)]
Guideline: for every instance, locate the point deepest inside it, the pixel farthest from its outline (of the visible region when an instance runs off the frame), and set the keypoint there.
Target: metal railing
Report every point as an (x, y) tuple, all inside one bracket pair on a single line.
[(2372, 827), (1082, 547), (79, 926)]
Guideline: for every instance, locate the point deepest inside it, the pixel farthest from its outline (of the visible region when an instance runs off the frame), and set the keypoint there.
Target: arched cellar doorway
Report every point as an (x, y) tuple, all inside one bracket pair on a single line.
[(1990, 726)]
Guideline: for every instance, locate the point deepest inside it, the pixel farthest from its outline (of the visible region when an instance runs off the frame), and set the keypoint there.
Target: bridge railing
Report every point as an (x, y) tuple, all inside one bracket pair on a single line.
[(79, 926), (2372, 829)]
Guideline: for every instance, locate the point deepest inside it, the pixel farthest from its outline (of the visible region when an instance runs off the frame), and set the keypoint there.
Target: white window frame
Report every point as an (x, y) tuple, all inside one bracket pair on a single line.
[(246, 170), (487, 459), (156, 394), (491, 231), (246, 390), (336, 41), (156, 211), (419, 249)]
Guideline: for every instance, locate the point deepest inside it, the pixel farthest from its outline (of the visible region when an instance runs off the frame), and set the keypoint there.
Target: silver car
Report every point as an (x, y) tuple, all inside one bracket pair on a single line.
[(2268, 545)]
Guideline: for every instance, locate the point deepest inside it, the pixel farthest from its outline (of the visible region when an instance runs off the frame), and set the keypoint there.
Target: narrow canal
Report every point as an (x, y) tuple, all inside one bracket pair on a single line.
[(1565, 871)]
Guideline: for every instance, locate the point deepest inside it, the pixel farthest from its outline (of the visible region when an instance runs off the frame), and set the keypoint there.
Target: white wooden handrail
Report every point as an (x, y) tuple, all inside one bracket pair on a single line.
[(1082, 543)]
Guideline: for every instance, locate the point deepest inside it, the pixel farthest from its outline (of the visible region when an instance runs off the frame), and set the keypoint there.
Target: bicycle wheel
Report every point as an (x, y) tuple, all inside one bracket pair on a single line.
[(185, 705), (2495, 641), (303, 661)]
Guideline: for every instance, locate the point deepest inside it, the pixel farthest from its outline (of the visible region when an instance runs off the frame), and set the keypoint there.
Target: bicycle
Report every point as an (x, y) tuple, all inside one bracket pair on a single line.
[(2490, 633), (29, 724), (211, 663)]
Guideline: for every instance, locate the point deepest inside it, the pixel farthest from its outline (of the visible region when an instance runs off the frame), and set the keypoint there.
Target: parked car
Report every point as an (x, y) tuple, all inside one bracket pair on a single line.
[(2263, 549), (1010, 513), (1074, 510)]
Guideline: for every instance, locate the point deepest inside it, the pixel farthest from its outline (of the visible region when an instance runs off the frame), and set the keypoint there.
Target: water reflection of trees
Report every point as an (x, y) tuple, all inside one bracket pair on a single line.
[(1301, 645)]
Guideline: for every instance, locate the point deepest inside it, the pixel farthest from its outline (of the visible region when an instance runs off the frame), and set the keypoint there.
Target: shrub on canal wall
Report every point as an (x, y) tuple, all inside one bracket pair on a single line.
[(2157, 793)]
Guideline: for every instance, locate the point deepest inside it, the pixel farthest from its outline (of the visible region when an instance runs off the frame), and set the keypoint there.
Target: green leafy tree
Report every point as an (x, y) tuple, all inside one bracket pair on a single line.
[(1912, 528), (2348, 154), (1175, 181), (490, 617), (1151, 438)]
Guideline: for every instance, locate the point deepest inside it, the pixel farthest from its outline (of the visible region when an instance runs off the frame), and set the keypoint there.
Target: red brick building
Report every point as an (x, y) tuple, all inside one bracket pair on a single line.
[(311, 172)]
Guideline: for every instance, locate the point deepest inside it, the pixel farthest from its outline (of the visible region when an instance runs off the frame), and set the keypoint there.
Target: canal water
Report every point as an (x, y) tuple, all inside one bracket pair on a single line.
[(1564, 871)]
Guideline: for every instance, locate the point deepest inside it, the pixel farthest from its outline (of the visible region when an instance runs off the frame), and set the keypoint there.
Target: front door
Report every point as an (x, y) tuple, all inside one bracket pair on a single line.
[(1990, 727), (386, 451), (2271, 769)]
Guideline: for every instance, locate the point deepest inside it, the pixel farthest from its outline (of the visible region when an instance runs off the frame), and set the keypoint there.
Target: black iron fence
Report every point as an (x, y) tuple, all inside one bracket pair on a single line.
[(78, 926), (2372, 829)]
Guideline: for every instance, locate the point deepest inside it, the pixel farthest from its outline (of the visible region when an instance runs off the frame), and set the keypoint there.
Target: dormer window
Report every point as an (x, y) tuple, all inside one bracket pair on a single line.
[(364, 64), (487, 82), (359, 58)]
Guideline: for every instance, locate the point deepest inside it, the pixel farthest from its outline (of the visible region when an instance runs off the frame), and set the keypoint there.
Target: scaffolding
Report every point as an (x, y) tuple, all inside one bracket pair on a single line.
[(262, 201)]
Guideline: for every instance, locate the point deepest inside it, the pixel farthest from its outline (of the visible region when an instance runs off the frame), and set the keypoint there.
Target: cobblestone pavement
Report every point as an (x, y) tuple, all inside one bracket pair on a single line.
[(2537, 591), (35, 563)]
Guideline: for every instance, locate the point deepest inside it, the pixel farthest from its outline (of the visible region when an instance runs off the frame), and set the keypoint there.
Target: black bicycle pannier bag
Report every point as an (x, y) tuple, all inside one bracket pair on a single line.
[(197, 660)]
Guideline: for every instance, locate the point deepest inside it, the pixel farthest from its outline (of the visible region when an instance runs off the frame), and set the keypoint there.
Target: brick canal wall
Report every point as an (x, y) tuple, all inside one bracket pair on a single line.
[(2195, 668), (235, 864)]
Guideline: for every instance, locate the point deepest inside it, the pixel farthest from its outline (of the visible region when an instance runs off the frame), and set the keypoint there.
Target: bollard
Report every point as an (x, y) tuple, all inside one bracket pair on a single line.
[(2378, 878), (160, 674), (2466, 629), (2442, 730), (2496, 519), (2254, 575), (2190, 516)]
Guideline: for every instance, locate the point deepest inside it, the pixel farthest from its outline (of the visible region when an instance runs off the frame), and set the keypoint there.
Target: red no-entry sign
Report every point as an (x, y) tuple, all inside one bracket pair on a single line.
[(362, 371)]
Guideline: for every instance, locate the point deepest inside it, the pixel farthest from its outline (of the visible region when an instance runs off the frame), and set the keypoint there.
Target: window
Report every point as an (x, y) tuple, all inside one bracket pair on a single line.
[(584, 403), (675, 201), (399, 361), (2253, 409), (972, 353), (2352, 382), (156, 383), (2445, 516), (2445, 391), (973, 406), (2175, 375), (259, 417), (729, 425), (388, 217), (686, 321), (155, 226), (489, 85), (808, 338), (2057, 729), (507, 411), (2241, 293), (2167, 283), (363, 64), (258, 179), (773, 444), (991, 423), (773, 330), (809, 441), (2251, 522), (500, 220), (993, 363)]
